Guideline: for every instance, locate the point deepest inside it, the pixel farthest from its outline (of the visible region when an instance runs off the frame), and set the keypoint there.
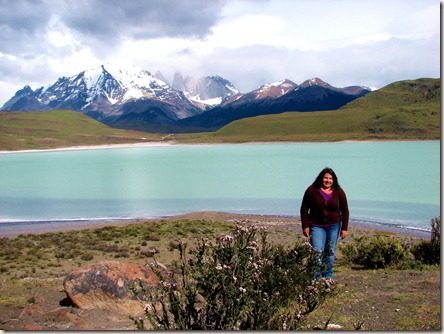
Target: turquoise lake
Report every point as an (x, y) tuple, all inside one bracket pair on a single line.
[(386, 182)]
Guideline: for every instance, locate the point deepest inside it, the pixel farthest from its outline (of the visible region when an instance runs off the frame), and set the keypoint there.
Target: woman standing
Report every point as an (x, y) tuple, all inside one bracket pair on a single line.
[(324, 216)]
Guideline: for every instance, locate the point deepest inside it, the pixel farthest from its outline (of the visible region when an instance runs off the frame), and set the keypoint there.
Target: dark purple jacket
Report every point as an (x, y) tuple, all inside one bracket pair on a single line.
[(315, 209)]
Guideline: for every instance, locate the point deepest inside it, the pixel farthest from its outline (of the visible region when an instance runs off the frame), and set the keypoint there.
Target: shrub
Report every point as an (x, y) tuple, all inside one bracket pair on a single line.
[(149, 253), (435, 223), (172, 245), (87, 257), (238, 283), (375, 251), (428, 252), (107, 248), (121, 253), (149, 236), (62, 254)]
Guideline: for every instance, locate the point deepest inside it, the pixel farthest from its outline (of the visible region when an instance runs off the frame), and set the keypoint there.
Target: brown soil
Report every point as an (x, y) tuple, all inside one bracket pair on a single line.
[(385, 299)]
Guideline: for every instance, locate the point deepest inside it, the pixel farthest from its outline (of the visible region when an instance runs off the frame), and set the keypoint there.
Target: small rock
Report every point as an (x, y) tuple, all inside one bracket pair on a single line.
[(333, 327), (33, 309)]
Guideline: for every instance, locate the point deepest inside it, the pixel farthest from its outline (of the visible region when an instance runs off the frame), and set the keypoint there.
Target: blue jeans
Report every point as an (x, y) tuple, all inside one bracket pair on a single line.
[(324, 241)]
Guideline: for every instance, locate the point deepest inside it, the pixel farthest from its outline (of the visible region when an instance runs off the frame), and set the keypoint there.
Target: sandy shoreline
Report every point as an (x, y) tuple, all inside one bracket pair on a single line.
[(127, 145), (173, 143), (354, 226), (95, 147)]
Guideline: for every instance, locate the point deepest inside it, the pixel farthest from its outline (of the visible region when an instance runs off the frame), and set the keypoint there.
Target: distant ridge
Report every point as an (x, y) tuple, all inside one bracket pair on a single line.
[(283, 96), (404, 110), (131, 98)]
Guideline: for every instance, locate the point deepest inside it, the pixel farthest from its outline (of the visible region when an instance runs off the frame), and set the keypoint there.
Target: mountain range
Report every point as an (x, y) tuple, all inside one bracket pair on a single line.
[(132, 98)]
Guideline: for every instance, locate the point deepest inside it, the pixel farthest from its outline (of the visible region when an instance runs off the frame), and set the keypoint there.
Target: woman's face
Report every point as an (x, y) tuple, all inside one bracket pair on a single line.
[(327, 181)]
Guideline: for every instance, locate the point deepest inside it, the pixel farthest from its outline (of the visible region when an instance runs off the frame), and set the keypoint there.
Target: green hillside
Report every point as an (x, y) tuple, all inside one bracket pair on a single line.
[(60, 128), (404, 110)]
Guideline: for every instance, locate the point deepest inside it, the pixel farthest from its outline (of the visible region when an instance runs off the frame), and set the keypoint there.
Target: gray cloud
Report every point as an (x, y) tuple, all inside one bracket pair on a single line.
[(141, 19), (24, 23), (99, 26), (374, 64), (42, 40), (21, 23), (22, 15)]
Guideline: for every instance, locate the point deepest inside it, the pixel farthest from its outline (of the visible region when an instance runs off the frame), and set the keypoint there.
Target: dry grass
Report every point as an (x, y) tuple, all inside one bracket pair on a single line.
[(34, 266)]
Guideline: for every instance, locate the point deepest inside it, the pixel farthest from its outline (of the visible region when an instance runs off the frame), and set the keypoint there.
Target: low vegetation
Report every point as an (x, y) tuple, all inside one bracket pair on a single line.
[(37, 254), (382, 251), (389, 287), (241, 282), (373, 252)]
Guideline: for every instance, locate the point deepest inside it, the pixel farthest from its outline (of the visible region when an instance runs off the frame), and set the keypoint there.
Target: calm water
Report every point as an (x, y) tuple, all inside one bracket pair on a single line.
[(386, 182)]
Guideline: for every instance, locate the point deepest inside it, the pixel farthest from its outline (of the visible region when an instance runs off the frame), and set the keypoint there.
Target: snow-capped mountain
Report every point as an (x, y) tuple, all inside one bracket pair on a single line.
[(275, 89), (269, 90), (103, 92), (205, 92), (353, 90), (316, 82), (132, 98), (275, 98)]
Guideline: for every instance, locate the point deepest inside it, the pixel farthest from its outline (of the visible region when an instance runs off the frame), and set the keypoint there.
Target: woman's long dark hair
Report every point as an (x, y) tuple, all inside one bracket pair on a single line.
[(319, 180)]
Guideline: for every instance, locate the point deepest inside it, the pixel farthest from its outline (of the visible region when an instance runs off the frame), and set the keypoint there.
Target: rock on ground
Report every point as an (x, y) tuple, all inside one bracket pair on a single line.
[(107, 285)]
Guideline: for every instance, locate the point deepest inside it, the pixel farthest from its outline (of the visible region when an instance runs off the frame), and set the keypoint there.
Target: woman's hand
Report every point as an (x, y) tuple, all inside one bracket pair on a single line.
[(306, 231), (344, 234)]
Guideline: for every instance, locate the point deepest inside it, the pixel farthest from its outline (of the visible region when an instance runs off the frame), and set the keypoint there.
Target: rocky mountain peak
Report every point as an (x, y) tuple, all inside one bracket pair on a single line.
[(25, 91), (159, 75), (275, 89), (206, 90), (178, 81), (315, 82), (132, 98), (102, 92)]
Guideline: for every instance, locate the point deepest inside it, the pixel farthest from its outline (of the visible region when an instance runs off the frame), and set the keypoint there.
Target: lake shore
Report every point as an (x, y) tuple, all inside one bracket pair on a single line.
[(94, 147), (354, 226), (178, 143)]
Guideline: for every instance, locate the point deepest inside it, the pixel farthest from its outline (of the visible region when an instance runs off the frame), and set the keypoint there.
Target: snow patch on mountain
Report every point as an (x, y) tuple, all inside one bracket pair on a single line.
[(275, 89), (118, 85), (91, 77), (210, 102), (134, 77), (132, 94)]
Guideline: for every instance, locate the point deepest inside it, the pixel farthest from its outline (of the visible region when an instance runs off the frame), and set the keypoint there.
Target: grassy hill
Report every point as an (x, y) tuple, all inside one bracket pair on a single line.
[(404, 110), (60, 128)]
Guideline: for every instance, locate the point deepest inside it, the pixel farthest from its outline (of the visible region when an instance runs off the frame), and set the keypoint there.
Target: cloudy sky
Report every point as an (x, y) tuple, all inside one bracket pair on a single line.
[(249, 42)]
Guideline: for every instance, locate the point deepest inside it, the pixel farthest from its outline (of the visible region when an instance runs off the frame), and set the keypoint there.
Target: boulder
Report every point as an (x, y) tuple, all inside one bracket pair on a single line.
[(107, 285)]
